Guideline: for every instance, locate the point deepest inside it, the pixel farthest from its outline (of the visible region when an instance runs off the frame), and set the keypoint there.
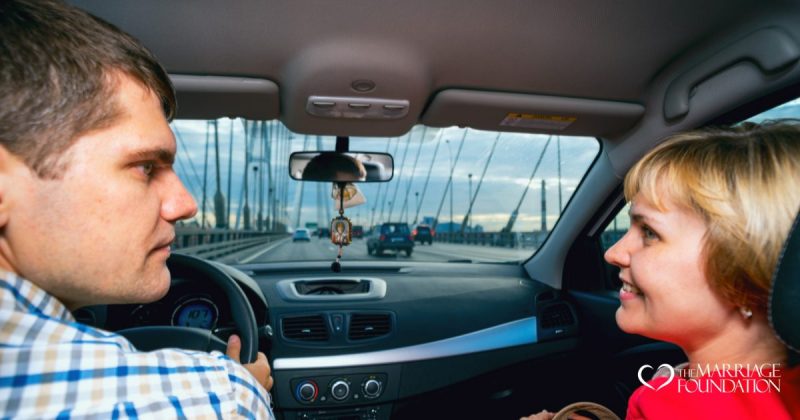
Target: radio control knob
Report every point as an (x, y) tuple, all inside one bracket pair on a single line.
[(372, 388), (307, 391), (340, 390)]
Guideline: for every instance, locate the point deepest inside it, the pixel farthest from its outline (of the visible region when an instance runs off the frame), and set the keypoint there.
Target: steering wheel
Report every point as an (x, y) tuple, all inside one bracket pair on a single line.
[(157, 337)]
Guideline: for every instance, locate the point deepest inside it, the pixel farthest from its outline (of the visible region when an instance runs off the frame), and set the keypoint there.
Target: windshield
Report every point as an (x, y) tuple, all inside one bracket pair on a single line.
[(476, 195)]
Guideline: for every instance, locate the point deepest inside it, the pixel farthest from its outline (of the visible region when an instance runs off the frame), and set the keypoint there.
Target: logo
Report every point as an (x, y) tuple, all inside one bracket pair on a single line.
[(669, 368), (718, 378)]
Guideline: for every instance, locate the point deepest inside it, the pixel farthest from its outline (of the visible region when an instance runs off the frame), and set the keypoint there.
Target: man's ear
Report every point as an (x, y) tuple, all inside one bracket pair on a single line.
[(9, 164)]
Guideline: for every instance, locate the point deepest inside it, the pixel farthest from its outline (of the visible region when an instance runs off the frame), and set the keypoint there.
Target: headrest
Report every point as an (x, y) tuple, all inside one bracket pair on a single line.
[(784, 298)]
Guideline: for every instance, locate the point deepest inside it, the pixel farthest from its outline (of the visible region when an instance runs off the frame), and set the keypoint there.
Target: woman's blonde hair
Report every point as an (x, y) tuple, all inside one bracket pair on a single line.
[(744, 181)]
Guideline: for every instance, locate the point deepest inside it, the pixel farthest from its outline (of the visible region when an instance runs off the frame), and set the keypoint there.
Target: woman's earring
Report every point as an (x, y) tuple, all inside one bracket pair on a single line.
[(746, 312)]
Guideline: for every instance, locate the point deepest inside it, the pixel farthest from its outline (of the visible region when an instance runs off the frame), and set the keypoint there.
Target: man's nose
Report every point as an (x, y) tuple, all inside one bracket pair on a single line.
[(178, 203)]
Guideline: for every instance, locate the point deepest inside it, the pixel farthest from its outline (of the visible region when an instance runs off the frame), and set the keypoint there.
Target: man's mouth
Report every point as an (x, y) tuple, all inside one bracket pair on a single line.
[(165, 243)]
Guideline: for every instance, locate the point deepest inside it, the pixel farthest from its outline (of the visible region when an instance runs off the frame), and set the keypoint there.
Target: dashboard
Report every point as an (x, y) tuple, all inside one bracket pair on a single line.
[(379, 339), (187, 304)]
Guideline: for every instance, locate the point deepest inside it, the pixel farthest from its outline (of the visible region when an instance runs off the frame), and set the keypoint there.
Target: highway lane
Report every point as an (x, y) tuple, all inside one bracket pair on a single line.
[(323, 250)]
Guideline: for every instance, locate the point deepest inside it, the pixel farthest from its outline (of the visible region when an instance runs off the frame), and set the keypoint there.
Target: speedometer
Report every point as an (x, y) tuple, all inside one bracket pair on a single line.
[(197, 313)]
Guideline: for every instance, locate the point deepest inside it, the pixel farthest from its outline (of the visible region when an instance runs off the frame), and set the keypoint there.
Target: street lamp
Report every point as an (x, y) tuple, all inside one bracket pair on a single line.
[(271, 211), (255, 188), (469, 222), (416, 196), (452, 182)]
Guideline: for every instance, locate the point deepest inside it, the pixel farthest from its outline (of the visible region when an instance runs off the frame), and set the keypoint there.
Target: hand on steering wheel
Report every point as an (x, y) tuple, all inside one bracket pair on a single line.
[(259, 369)]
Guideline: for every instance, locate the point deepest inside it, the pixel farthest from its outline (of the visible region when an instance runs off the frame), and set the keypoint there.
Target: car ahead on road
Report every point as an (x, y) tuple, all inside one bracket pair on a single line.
[(358, 232), (390, 237), (301, 235), (522, 131), (422, 234)]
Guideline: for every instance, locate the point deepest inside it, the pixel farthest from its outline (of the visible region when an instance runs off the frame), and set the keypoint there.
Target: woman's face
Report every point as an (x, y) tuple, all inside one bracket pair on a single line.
[(665, 293)]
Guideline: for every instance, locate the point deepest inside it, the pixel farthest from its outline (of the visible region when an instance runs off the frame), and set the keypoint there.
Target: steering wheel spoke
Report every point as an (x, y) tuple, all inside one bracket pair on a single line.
[(159, 337), (196, 269)]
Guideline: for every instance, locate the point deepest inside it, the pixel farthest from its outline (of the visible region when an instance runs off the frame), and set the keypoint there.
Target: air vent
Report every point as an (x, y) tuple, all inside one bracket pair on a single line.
[(556, 320), (364, 326), (305, 328), (558, 315)]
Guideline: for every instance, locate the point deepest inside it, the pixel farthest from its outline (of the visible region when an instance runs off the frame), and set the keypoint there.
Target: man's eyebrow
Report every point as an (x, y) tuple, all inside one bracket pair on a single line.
[(158, 155)]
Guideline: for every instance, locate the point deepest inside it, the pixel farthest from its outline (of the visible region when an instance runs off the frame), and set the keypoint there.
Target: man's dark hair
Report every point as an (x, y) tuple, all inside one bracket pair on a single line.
[(328, 166), (57, 78)]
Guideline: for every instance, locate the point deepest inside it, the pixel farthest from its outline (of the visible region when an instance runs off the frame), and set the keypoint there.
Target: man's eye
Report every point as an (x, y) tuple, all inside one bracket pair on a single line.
[(147, 168)]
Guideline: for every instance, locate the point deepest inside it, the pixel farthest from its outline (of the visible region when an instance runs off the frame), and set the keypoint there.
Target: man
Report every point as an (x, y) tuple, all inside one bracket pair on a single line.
[(334, 166), (88, 203)]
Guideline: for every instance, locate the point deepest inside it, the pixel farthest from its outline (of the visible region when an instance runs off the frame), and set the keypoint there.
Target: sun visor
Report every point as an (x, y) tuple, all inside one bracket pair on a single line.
[(210, 97), (503, 111)]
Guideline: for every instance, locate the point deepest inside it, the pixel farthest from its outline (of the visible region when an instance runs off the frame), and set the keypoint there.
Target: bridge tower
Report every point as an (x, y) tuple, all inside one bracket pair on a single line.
[(544, 207)]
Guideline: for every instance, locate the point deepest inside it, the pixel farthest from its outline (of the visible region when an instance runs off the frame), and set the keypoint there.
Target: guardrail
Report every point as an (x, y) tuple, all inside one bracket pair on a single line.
[(216, 243), (498, 239), (514, 239)]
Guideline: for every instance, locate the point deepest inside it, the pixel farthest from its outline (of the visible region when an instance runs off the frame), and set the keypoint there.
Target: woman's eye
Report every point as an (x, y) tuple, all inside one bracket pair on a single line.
[(648, 234)]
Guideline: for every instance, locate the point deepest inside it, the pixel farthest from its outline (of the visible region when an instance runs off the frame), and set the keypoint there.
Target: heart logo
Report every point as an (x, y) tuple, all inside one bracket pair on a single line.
[(663, 365)]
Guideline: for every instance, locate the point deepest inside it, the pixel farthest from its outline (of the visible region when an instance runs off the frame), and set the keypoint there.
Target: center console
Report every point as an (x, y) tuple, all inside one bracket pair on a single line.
[(361, 393)]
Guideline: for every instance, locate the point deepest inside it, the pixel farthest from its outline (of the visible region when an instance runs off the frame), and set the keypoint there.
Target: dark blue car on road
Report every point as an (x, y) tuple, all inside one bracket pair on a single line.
[(390, 236)]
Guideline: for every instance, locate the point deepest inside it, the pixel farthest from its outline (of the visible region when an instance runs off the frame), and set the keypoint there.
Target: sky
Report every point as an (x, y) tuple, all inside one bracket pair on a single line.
[(423, 152)]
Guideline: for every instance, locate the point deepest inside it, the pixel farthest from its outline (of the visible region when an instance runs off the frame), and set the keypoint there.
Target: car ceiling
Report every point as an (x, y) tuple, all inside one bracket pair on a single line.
[(610, 64), (609, 51)]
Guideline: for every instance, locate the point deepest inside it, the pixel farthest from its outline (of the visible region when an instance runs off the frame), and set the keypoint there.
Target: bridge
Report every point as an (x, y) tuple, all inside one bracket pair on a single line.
[(236, 246), (237, 171)]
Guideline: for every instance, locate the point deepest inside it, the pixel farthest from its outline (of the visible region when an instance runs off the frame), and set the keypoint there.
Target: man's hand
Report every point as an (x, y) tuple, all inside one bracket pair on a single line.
[(259, 369)]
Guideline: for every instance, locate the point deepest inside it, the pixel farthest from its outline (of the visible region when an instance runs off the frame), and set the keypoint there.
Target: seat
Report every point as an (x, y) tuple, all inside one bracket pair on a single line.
[(784, 297)]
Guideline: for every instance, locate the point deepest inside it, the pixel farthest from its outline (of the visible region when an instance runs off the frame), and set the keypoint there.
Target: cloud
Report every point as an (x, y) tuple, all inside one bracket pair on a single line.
[(507, 174)]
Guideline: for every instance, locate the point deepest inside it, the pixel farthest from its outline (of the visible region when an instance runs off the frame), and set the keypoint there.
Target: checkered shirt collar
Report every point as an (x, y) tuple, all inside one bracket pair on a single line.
[(23, 295)]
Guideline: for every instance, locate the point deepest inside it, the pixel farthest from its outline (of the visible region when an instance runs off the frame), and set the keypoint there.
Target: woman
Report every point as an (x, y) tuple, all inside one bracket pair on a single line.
[(709, 212)]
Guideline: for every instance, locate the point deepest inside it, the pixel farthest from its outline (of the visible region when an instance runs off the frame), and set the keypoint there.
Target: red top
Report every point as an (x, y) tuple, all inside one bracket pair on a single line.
[(730, 395)]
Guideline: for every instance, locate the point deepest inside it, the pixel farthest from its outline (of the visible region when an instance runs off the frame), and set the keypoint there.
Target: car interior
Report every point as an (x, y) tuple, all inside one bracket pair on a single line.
[(405, 336)]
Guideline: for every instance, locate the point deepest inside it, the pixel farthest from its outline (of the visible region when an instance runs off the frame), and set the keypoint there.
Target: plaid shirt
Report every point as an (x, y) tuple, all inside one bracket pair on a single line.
[(53, 367)]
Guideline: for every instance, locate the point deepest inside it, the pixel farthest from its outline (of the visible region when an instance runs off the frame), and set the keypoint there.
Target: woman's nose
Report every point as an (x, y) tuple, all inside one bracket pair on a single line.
[(618, 254)]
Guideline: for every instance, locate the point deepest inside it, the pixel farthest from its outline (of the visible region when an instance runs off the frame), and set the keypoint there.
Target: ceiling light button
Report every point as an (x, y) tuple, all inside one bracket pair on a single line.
[(324, 104), (359, 106)]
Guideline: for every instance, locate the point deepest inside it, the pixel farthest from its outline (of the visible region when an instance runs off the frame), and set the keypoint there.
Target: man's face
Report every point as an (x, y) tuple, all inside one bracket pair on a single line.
[(101, 232)]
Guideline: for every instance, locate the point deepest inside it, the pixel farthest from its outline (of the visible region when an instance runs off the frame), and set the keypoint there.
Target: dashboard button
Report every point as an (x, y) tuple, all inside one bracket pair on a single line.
[(340, 390), (306, 391), (372, 388)]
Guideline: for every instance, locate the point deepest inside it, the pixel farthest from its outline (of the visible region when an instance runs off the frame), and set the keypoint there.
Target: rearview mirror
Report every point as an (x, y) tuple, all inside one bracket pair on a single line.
[(341, 167)]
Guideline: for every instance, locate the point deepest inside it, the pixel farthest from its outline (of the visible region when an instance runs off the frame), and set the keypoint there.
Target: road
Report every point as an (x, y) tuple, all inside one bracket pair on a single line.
[(322, 249)]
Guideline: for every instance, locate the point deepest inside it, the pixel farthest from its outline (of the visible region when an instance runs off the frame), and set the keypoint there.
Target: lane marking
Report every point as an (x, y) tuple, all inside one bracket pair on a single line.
[(263, 251)]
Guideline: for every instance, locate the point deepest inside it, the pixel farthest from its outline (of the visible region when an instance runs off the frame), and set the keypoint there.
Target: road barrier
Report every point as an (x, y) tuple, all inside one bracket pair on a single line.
[(216, 243)]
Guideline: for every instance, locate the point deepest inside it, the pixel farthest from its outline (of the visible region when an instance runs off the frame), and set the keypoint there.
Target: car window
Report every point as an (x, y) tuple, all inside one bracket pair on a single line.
[(394, 229), (486, 196)]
